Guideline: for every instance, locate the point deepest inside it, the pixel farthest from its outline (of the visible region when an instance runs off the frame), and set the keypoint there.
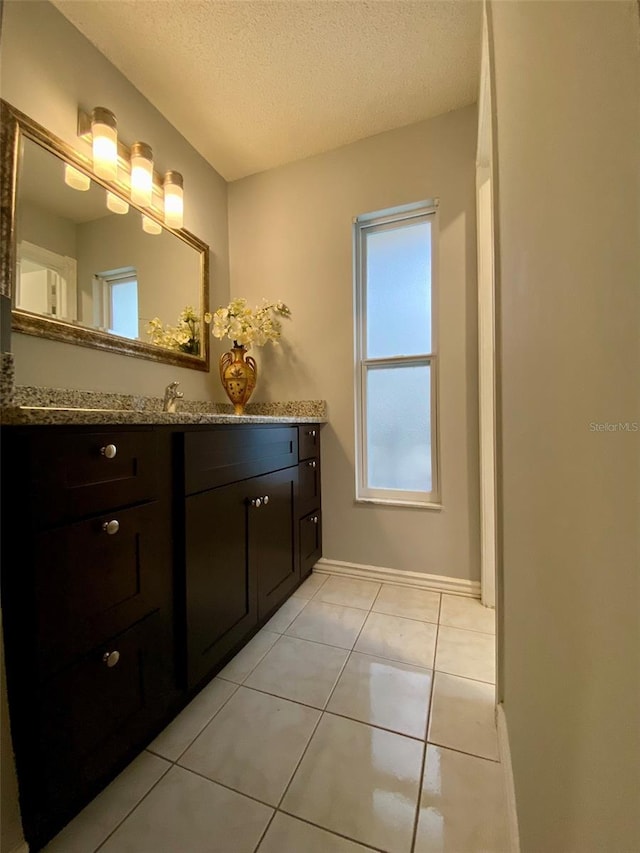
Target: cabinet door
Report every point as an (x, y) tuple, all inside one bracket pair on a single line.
[(310, 542), (221, 584), (272, 537)]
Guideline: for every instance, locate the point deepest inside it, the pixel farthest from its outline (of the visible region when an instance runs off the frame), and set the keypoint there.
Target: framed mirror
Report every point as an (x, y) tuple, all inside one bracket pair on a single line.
[(80, 272)]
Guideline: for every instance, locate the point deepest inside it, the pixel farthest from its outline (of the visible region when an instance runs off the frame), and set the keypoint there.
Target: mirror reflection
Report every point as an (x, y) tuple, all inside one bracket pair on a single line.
[(80, 262)]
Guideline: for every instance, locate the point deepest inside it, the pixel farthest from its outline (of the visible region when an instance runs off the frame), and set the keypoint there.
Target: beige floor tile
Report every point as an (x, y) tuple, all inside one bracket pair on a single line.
[(103, 814), (384, 693), (408, 602), (173, 741), (248, 658), (463, 805), (392, 637), (253, 744), (185, 812), (332, 624), (289, 835), (467, 653), (469, 613), (350, 592), (463, 716), (359, 781), (283, 617), (312, 584), (299, 670)]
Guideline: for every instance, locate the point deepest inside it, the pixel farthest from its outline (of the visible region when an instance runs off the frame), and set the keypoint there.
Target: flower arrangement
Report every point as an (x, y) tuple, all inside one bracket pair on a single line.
[(184, 337), (249, 326)]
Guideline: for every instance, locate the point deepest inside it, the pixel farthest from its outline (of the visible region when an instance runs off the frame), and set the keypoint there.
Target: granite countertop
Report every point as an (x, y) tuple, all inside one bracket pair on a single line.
[(69, 416), (27, 404)]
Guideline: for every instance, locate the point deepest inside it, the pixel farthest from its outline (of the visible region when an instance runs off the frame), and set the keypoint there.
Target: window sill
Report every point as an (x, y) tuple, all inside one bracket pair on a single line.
[(403, 504)]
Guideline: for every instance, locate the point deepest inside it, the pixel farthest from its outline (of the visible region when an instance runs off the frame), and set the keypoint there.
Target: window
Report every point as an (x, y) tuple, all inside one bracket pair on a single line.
[(396, 364)]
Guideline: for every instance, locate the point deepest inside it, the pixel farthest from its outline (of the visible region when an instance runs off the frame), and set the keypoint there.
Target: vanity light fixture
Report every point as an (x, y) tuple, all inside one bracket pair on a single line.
[(76, 179), (150, 225), (129, 169), (141, 174), (116, 204), (104, 134), (173, 199)]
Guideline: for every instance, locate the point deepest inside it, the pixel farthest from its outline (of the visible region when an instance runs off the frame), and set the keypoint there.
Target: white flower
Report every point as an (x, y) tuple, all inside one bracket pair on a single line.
[(248, 326)]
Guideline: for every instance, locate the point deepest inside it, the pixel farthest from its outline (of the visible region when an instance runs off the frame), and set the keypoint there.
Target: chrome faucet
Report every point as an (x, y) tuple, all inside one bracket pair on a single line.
[(171, 397)]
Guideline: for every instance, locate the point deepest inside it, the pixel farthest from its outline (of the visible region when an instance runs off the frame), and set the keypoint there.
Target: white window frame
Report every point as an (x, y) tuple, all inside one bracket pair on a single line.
[(363, 225)]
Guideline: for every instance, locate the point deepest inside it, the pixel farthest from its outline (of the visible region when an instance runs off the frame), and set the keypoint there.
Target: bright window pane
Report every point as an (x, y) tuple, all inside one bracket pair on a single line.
[(399, 291), (399, 428), (124, 308)]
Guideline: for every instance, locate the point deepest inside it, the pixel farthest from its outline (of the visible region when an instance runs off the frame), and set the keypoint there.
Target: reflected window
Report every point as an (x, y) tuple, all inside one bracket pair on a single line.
[(116, 302)]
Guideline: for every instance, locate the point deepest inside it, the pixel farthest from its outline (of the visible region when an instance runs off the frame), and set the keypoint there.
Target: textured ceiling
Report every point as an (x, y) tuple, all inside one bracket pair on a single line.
[(253, 85)]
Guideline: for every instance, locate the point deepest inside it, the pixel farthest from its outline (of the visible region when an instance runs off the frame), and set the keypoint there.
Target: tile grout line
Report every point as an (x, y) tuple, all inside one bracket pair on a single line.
[(463, 752), (364, 844), (426, 735)]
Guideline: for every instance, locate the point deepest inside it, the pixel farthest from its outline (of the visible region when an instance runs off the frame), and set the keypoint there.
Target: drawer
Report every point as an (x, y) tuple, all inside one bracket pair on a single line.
[(217, 457), (95, 713), (308, 441), (310, 542), (74, 475), (90, 584), (308, 486)]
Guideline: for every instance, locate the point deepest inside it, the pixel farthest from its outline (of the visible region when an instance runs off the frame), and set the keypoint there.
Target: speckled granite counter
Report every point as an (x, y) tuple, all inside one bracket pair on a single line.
[(57, 406)]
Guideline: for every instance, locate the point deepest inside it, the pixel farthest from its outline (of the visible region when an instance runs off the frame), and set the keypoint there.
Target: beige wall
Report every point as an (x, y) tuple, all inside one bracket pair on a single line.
[(568, 131), (47, 70), (291, 239)]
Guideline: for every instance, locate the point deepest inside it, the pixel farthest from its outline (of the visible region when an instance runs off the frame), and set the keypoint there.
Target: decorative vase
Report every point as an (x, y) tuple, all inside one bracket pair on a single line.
[(238, 374)]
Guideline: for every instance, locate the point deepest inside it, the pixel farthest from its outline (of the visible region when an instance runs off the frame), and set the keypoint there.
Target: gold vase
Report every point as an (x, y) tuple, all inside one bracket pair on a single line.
[(238, 374)]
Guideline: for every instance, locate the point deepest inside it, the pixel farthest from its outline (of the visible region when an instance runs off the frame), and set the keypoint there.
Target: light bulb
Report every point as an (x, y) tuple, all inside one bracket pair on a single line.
[(116, 204), (173, 199), (76, 179), (105, 143), (141, 174), (151, 226)]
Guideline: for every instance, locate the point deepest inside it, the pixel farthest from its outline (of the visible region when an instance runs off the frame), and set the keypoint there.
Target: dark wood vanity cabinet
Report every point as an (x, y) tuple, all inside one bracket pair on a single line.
[(309, 498), (240, 537), (130, 577), (87, 595)]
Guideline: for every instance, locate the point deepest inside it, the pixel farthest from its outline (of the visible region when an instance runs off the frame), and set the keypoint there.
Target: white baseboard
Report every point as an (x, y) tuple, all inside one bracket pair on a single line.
[(505, 760), (401, 577)]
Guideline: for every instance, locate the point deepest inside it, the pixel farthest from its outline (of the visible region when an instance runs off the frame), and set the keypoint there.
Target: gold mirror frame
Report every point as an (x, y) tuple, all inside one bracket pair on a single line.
[(13, 126)]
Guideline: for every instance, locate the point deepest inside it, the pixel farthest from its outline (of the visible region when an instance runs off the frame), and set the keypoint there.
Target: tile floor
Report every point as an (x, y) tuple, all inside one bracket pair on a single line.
[(361, 717)]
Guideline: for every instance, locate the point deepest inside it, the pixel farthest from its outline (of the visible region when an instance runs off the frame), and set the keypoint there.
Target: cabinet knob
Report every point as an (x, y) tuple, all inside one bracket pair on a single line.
[(265, 500), (312, 433), (111, 527), (314, 519), (111, 658), (109, 451), (311, 464), (256, 502)]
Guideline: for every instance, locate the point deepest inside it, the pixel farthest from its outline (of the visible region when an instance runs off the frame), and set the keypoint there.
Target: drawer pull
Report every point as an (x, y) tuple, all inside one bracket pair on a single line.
[(312, 433), (111, 527), (265, 500), (109, 451), (311, 464), (111, 658), (256, 502)]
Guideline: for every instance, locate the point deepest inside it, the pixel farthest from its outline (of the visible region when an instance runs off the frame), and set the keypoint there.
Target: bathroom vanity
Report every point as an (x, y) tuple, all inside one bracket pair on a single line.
[(137, 559)]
